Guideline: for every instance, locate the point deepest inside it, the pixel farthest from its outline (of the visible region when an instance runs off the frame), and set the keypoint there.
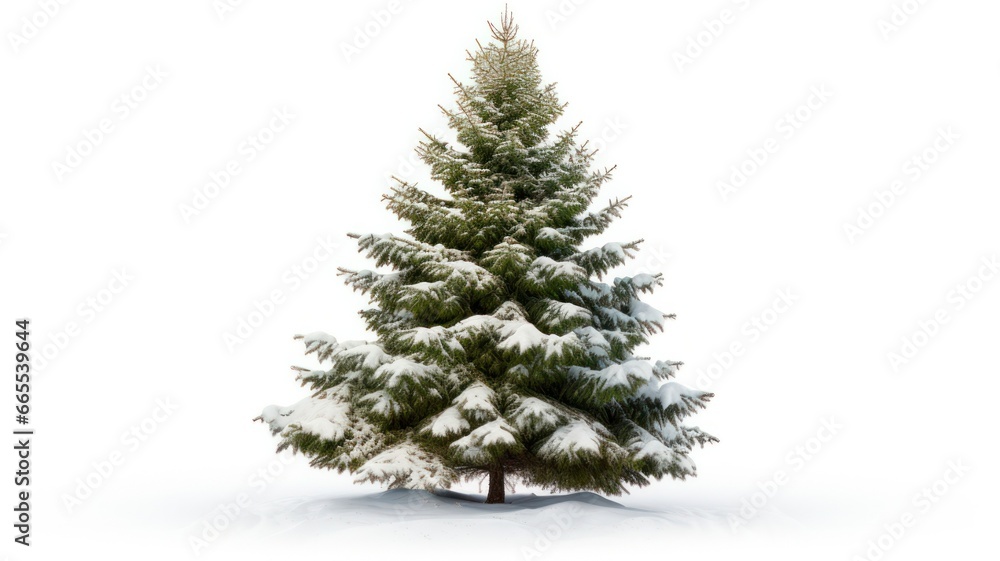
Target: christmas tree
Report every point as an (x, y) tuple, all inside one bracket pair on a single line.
[(499, 351)]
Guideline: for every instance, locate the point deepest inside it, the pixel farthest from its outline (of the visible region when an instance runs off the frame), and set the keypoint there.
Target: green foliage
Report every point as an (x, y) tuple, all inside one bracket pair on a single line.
[(497, 343)]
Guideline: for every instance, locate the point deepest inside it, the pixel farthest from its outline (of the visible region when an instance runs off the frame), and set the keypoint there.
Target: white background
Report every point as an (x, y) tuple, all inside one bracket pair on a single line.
[(674, 130)]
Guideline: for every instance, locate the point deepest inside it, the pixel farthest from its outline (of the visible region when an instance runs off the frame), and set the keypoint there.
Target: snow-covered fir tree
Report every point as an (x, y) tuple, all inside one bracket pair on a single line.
[(498, 349)]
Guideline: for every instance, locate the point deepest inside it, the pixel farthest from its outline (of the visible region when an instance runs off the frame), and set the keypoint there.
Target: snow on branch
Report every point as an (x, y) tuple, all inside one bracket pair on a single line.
[(492, 438), (402, 253), (365, 280), (320, 415), (534, 414), (447, 423), (596, 222), (434, 340), (476, 402), (547, 276), (323, 344), (406, 466), (405, 370), (600, 260), (575, 439)]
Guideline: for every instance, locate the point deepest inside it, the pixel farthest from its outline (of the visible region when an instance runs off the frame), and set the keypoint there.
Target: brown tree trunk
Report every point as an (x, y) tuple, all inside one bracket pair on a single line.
[(496, 494)]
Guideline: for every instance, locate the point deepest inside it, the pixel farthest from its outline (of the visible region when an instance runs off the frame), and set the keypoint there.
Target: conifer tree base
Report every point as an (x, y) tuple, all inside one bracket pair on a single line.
[(497, 490)]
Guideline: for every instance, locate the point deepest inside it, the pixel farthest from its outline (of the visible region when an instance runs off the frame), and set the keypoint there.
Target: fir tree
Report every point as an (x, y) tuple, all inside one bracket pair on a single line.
[(499, 351)]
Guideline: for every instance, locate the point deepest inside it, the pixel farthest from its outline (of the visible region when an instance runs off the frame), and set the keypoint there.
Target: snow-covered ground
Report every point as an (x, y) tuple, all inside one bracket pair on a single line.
[(282, 508), (529, 526), (450, 525)]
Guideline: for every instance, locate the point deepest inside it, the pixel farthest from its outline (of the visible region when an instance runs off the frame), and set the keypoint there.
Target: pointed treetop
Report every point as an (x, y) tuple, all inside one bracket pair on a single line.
[(507, 31)]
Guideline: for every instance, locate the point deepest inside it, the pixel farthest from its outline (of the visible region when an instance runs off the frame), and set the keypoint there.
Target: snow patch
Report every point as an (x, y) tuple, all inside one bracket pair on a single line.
[(406, 465), (577, 436), (403, 369), (448, 422), (320, 415), (477, 401), (534, 413)]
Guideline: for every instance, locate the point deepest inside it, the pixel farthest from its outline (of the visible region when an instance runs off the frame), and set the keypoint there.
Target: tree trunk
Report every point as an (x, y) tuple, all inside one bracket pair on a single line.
[(496, 494)]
